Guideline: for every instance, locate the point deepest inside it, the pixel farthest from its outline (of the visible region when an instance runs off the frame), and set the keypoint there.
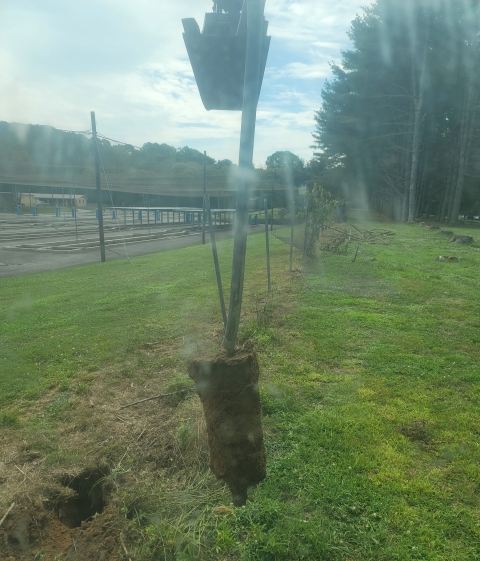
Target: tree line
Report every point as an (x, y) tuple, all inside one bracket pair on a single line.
[(42, 150), (44, 153), (399, 121)]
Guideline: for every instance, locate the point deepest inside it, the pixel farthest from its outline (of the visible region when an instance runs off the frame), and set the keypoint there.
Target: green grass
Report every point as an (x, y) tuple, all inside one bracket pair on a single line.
[(370, 393), (57, 325)]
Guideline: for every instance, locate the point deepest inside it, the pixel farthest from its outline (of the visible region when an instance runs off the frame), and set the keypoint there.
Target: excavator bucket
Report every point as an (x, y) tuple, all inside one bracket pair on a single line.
[(217, 54)]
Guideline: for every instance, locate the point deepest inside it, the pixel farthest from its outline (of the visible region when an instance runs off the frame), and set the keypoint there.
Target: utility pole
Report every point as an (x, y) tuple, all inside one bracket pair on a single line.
[(204, 194), (99, 191)]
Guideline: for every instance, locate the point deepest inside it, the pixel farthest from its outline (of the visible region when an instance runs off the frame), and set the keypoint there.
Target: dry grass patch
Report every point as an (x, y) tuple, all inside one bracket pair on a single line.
[(78, 467)]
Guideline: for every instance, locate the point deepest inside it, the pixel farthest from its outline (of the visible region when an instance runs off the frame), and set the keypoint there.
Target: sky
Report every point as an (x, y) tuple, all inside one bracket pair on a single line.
[(126, 60)]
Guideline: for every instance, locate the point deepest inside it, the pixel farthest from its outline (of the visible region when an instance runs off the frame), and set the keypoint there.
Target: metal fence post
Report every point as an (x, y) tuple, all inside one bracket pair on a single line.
[(215, 259), (99, 191), (267, 244)]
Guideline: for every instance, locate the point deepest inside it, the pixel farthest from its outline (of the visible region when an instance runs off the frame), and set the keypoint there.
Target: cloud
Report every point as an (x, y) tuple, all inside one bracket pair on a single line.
[(301, 71), (302, 23), (126, 60)]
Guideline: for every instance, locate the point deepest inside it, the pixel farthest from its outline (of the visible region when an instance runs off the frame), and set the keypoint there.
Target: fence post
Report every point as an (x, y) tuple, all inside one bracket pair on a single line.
[(292, 225), (204, 194), (206, 202), (267, 244), (99, 190)]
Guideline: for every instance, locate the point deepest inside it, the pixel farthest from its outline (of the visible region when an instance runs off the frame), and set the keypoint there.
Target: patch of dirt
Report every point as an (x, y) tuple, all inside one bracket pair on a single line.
[(461, 239), (87, 498), (416, 431), (447, 258), (33, 532), (228, 388), (67, 484)]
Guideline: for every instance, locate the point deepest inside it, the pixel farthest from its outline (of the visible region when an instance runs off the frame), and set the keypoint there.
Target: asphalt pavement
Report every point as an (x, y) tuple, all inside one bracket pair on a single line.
[(47, 243)]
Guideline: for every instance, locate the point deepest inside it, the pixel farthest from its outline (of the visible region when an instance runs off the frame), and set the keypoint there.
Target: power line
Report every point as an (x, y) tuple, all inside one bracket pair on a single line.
[(118, 141), (75, 132)]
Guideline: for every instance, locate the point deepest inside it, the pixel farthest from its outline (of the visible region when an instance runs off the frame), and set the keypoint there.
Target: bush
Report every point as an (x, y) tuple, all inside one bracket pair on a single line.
[(320, 213)]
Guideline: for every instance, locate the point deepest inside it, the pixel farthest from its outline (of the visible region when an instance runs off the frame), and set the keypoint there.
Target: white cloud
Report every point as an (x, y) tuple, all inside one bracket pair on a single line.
[(126, 60), (301, 71), (306, 22)]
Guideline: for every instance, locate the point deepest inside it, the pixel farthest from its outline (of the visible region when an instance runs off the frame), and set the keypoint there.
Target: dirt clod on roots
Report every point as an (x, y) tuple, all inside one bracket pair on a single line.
[(228, 389)]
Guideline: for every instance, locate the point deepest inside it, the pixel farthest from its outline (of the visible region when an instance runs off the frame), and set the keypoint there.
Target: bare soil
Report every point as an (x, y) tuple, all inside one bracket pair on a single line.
[(32, 532), (68, 504)]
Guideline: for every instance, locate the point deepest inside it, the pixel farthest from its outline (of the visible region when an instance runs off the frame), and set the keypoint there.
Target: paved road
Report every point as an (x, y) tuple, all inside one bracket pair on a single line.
[(22, 235)]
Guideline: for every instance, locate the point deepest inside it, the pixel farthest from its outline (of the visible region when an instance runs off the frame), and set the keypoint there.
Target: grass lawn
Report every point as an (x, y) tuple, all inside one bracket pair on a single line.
[(370, 389)]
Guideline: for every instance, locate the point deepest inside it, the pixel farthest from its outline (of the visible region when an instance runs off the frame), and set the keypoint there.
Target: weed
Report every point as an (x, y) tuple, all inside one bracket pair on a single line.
[(9, 420), (183, 435), (82, 388), (261, 336), (264, 306), (274, 400)]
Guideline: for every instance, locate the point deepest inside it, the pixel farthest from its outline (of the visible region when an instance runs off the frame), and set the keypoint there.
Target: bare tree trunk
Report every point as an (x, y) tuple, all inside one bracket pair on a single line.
[(399, 205), (446, 192), (428, 199), (423, 183), (428, 195), (469, 114), (453, 179), (407, 171), (418, 100)]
